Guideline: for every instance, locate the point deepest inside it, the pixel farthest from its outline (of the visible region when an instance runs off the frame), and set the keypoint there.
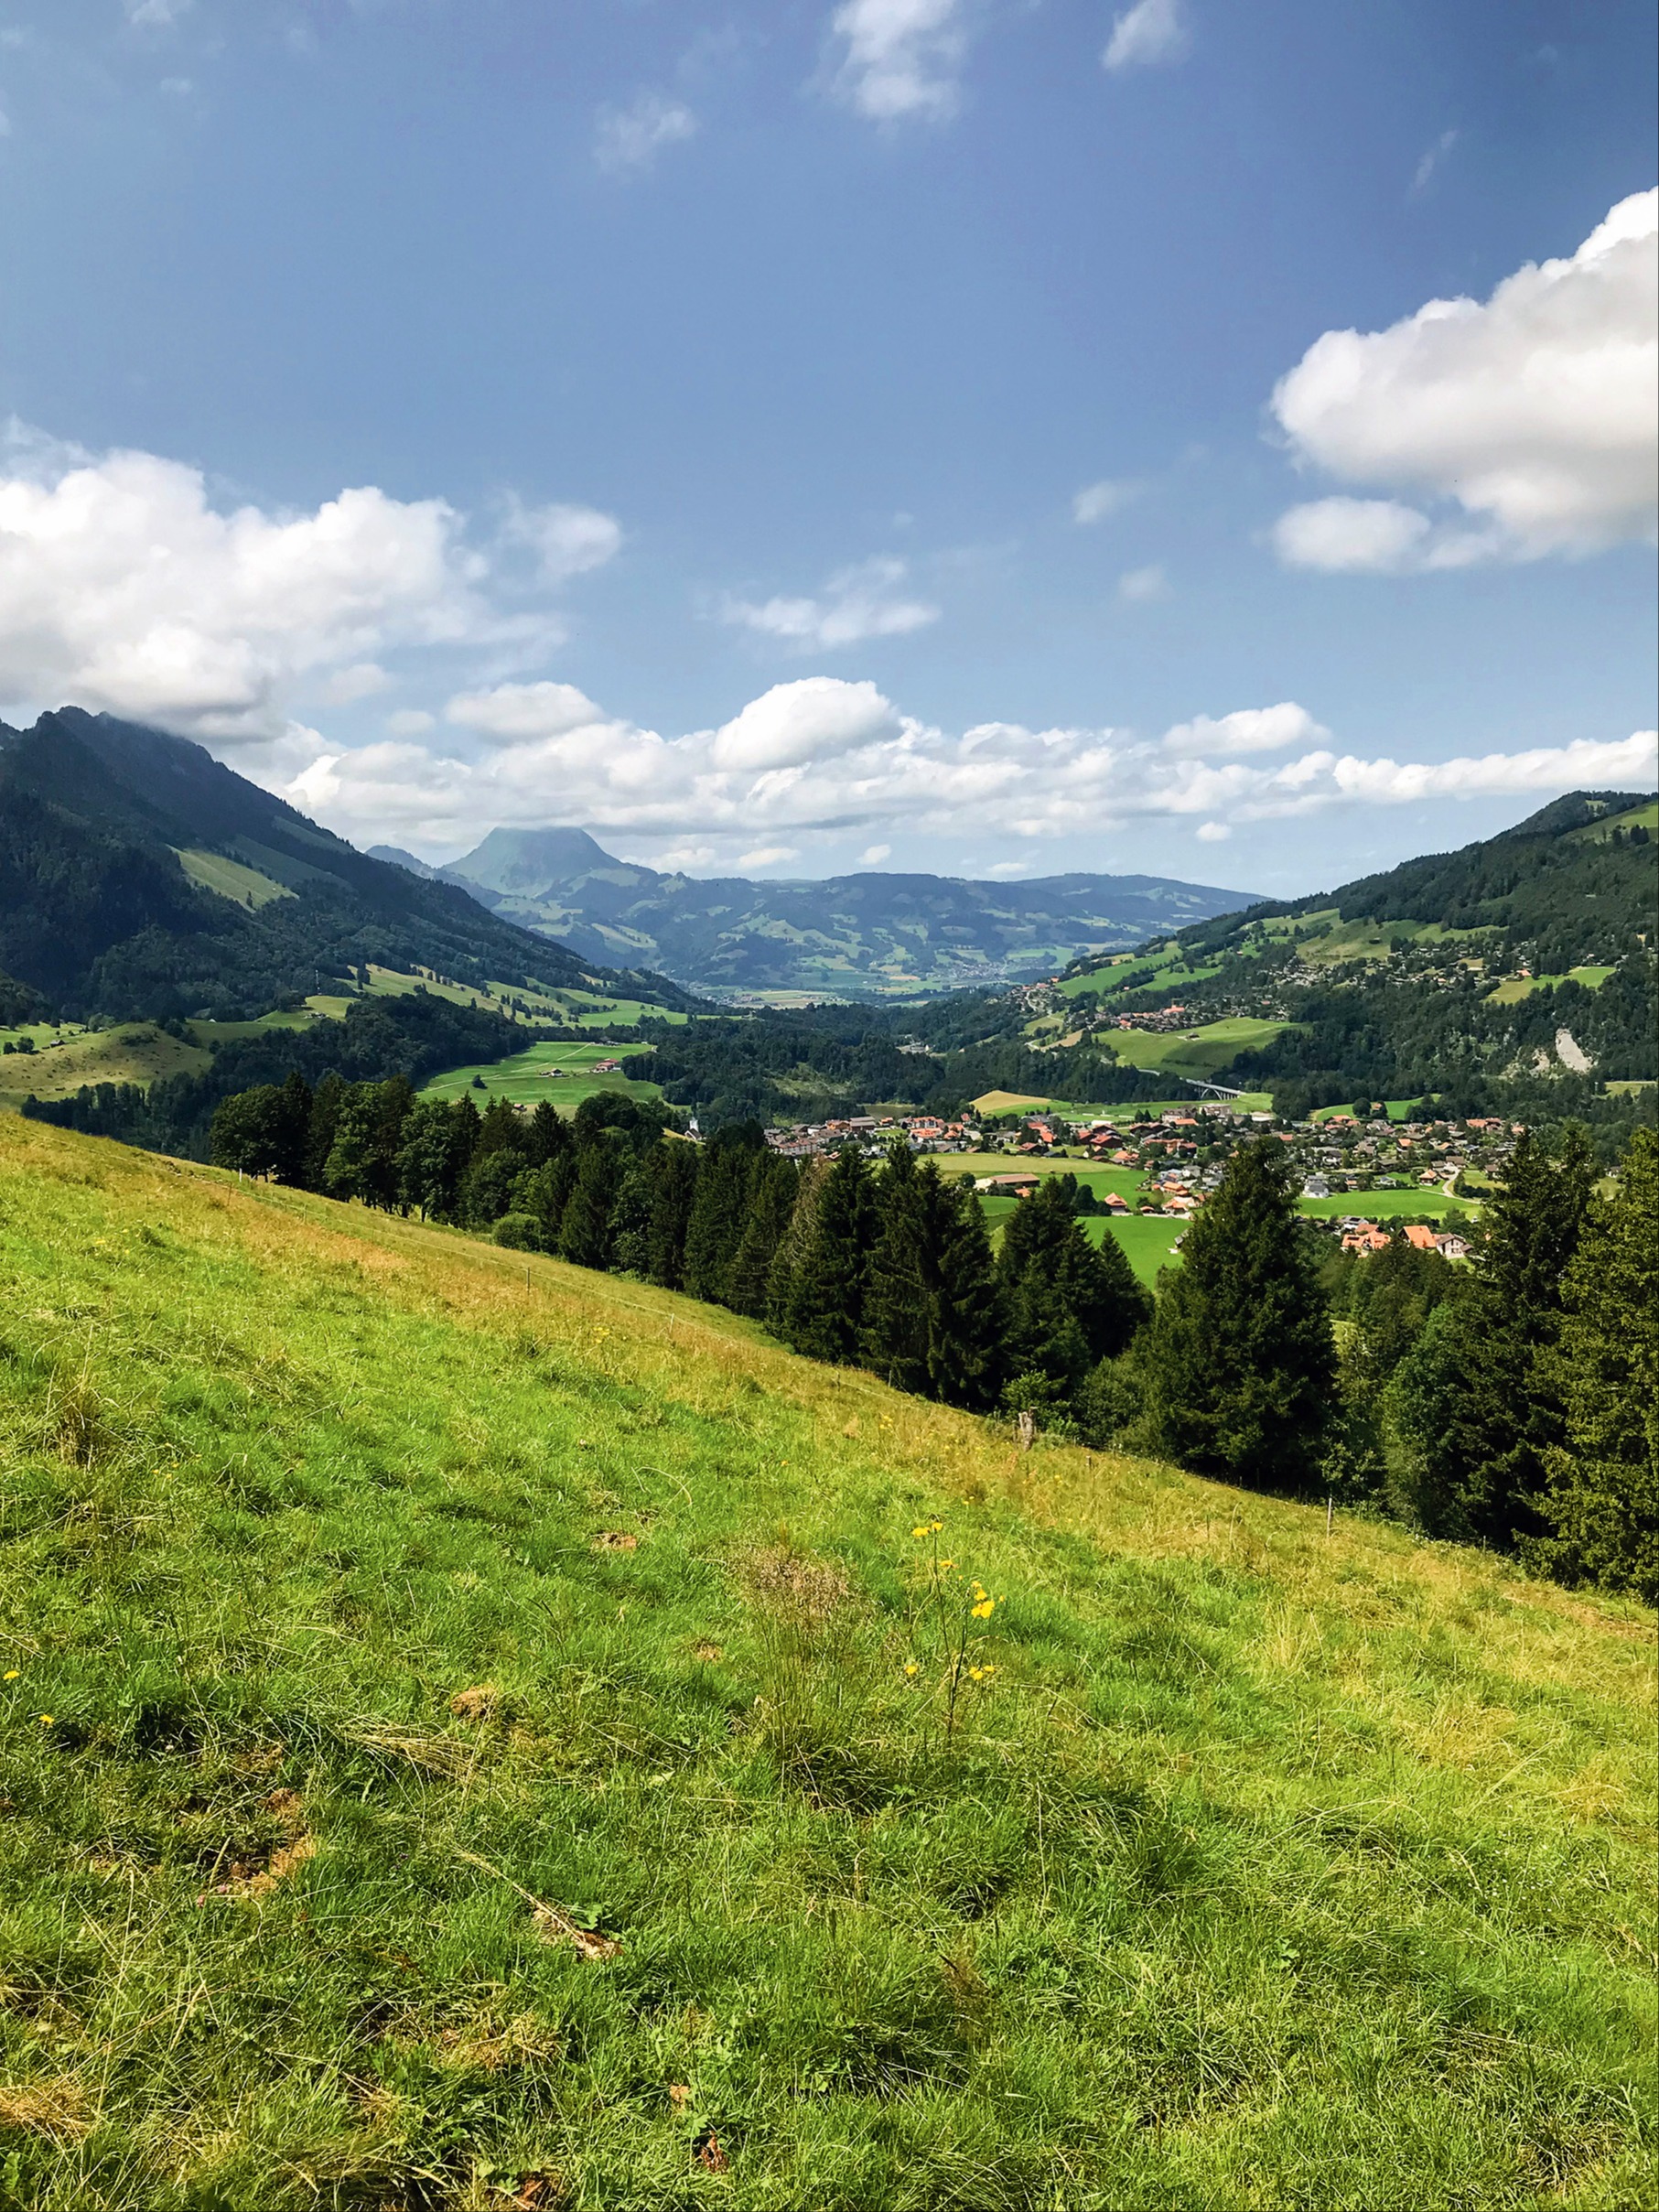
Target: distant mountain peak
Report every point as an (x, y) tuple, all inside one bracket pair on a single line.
[(525, 861)]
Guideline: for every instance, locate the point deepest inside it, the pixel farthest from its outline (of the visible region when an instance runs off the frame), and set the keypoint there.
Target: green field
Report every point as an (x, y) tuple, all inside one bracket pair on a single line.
[(1010, 1102), (1148, 1239), (1382, 1205), (526, 1079), (459, 1752), (1516, 987), (1207, 1051), (231, 879), (1399, 1110), (132, 1052)]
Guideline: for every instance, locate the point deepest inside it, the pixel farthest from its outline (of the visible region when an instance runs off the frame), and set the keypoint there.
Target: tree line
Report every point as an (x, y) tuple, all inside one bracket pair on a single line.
[(1513, 1403)]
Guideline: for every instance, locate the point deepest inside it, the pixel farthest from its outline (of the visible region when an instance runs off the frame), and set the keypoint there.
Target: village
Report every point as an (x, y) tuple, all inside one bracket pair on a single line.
[(1180, 1154)]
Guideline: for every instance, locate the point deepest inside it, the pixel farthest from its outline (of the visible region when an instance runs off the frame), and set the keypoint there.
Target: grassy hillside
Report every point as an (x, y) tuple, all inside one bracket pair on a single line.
[(460, 1750), (559, 1072)]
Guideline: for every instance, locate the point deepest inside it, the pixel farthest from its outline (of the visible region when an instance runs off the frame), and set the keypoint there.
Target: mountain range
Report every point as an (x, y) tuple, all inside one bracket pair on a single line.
[(869, 935), (140, 877)]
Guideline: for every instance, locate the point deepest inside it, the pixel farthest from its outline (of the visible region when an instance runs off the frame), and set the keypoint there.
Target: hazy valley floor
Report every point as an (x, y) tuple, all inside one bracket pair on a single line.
[(475, 1733)]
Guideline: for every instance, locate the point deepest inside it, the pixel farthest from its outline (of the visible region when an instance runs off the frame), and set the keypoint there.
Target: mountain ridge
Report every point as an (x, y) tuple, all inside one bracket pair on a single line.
[(138, 874), (871, 933)]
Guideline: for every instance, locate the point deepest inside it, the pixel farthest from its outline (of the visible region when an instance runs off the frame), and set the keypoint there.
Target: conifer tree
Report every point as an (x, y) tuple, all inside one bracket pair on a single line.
[(1066, 1304), (715, 1221), (676, 1168), (584, 1234), (769, 1202), (1239, 1363), (896, 1325), (1600, 1499), (1506, 1412), (792, 1245), (824, 1306), (966, 1360)]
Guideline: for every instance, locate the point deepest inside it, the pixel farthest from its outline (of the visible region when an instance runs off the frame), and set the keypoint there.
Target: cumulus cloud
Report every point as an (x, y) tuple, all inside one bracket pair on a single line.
[(1141, 584), (861, 602), (156, 15), (1212, 833), (1096, 501), (768, 855), (566, 541), (1249, 729), (627, 140), (1151, 31), (825, 756), (902, 57), (874, 855), (1376, 537), (818, 718), (123, 584), (1532, 411), (520, 713)]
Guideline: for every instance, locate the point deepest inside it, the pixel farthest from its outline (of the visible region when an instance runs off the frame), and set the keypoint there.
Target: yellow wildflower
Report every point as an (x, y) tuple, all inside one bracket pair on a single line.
[(984, 1609), (12, 1673), (46, 1719), (910, 1667)]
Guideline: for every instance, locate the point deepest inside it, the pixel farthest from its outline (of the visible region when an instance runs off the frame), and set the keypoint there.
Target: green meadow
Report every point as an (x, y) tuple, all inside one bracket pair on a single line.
[(478, 1734), (561, 1073)]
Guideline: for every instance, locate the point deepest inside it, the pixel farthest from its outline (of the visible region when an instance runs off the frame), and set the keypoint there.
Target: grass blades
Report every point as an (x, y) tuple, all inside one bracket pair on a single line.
[(458, 1750)]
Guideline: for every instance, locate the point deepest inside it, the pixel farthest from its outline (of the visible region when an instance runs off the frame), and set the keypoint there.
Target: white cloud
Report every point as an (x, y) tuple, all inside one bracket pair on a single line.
[(360, 681), (1532, 411), (521, 714), (627, 141), (680, 857), (411, 722), (1376, 537), (1096, 501), (874, 855), (902, 56), (1249, 729), (1151, 31), (768, 856), (1141, 584), (1432, 160), (567, 541), (124, 586), (1212, 833), (861, 602), (818, 718), (823, 756), (156, 15)]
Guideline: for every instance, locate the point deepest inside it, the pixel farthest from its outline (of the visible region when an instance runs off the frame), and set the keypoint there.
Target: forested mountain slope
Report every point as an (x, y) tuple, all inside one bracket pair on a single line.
[(479, 1732), (1526, 955), (865, 935), (140, 877)]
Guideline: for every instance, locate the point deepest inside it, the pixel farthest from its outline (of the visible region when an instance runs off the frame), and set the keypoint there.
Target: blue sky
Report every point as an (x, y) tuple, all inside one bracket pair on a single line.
[(909, 433)]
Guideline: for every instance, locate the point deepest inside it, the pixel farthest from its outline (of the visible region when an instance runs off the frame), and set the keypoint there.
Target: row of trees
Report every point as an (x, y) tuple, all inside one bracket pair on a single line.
[(1515, 1403), (890, 1267)]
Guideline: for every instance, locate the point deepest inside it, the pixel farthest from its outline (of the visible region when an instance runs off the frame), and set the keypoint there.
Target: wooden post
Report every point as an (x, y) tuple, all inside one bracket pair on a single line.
[(1329, 1504), (1025, 1427)]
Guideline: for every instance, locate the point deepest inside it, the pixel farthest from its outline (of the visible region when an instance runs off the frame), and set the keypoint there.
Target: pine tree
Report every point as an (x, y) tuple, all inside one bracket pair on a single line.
[(1505, 1414), (966, 1360), (1239, 1363), (585, 1230), (677, 1165), (896, 1325), (1067, 1304), (1600, 1499), (824, 1307), (768, 1205), (792, 1245), (716, 1213)]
